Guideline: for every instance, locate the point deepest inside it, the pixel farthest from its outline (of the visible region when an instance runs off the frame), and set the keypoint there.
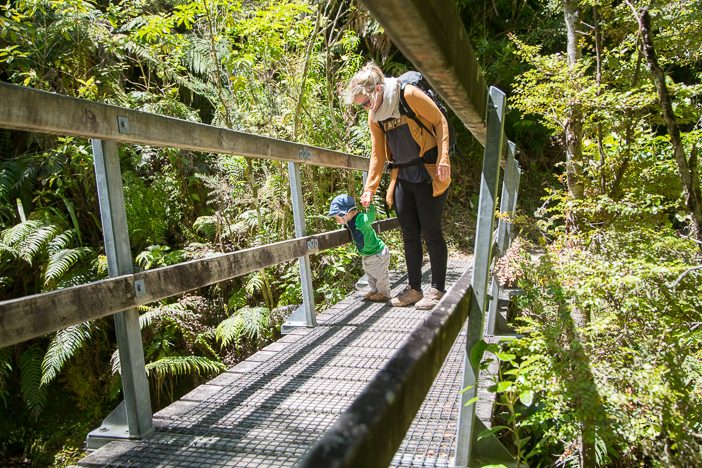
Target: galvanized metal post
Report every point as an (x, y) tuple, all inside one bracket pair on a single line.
[(508, 202), (481, 266), (304, 316), (133, 418)]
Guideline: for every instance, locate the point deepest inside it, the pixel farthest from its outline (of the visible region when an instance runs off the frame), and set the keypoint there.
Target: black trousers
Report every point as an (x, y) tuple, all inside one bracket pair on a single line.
[(419, 214)]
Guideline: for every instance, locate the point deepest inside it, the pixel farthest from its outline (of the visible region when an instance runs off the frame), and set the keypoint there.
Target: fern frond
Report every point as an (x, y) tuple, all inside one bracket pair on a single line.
[(75, 278), (247, 322), (177, 311), (63, 346), (183, 365), (13, 236), (254, 284), (62, 261), (115, 363), (37, 240), (146, 318), (197, 56), (33, 393), (206, 226), (29, 237), (61, 241), (5, 371), (10, 176), (8, 251)]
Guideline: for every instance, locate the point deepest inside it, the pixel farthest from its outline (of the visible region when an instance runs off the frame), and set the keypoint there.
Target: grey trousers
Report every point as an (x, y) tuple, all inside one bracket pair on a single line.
[(376, 267)]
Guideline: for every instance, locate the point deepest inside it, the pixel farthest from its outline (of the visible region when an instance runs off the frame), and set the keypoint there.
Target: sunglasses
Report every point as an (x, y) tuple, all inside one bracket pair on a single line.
[(366, 104)]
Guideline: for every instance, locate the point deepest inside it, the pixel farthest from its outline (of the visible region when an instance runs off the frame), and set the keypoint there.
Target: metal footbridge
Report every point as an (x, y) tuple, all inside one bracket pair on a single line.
[(354, 386)]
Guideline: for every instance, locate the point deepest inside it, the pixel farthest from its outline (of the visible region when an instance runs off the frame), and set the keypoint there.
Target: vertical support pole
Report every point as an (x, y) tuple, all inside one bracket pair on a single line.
[(481, 266), (508, 202), (135, 385), (304, 316)]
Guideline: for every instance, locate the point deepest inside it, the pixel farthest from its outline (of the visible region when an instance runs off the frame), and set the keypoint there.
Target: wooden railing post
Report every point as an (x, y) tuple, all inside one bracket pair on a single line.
[(304, 316), (508, 203), (132, 419), (481, 266)]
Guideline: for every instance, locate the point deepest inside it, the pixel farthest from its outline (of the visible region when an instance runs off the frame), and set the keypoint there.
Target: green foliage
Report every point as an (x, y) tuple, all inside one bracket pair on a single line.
[(247, 327), (33, 393), (173, 366), (151, 210), (29, 238), (5, 371), (159, 256), (64, 345), (629, 380)]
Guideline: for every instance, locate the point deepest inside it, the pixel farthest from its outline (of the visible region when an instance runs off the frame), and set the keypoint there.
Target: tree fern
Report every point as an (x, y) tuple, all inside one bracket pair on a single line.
[(248, 322), (62, 261), (183, 365), (16, 234), (37, 240), (33, 393), (62, 347), (29, 238)]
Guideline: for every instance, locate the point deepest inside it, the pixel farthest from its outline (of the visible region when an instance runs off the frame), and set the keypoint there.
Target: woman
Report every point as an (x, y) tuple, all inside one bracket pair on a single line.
[(419, 177)]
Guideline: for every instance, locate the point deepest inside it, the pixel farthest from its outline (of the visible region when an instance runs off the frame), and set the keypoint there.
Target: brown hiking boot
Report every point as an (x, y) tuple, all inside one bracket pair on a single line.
[(430, 300), (407, 297), (367, 296), (379, 297)]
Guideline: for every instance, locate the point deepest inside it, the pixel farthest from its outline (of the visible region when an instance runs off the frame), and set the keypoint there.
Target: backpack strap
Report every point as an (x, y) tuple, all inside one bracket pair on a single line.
[(405, 109)]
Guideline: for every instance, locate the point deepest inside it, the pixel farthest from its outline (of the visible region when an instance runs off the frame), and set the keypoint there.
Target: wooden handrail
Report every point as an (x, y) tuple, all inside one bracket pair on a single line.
[(40, 111), (33, 316)]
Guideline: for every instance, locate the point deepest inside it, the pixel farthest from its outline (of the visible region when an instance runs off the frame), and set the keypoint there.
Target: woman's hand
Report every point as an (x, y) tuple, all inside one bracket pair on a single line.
[(366, 198), (443, 172)]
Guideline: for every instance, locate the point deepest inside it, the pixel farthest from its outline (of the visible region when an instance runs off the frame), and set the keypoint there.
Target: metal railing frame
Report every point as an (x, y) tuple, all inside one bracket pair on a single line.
[(108, 125)]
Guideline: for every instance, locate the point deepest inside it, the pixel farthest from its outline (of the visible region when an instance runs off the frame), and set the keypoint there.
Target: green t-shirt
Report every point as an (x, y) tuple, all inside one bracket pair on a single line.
[(364, 236)]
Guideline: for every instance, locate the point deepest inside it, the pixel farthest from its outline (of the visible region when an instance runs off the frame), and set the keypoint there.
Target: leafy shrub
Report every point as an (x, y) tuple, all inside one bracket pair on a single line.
[(627, 383)]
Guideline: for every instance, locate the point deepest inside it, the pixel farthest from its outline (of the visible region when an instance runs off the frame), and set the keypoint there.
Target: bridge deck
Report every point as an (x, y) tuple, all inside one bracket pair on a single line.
[(269, 409)]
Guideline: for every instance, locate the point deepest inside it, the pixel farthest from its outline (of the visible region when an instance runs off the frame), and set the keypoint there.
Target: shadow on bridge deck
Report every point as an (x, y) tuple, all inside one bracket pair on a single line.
[(269, 409)]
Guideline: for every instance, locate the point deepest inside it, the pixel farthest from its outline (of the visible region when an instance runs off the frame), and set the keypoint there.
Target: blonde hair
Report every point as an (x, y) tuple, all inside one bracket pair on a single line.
[(364, 82)]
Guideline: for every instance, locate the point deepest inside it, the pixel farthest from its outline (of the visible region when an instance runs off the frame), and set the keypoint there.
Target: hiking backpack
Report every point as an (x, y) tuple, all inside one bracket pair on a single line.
[(416, 79)]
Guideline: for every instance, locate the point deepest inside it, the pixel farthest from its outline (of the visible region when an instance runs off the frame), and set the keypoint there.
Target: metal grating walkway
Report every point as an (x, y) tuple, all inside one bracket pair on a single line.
[(269, 409)]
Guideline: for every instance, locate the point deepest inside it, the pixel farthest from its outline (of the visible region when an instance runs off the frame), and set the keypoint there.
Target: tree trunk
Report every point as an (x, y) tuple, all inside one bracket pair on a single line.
[(573, 124), (687, 168), (574, 173)]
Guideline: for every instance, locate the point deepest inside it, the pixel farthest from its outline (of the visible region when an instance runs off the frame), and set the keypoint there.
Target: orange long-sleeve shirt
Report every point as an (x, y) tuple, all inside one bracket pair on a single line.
[(431, 116)]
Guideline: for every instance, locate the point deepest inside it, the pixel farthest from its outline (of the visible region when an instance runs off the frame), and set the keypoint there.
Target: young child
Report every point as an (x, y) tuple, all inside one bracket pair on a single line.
[(375, 256)]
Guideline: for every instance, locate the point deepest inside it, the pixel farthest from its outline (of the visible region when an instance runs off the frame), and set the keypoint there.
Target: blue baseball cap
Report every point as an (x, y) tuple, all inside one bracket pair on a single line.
[(341, 204)]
